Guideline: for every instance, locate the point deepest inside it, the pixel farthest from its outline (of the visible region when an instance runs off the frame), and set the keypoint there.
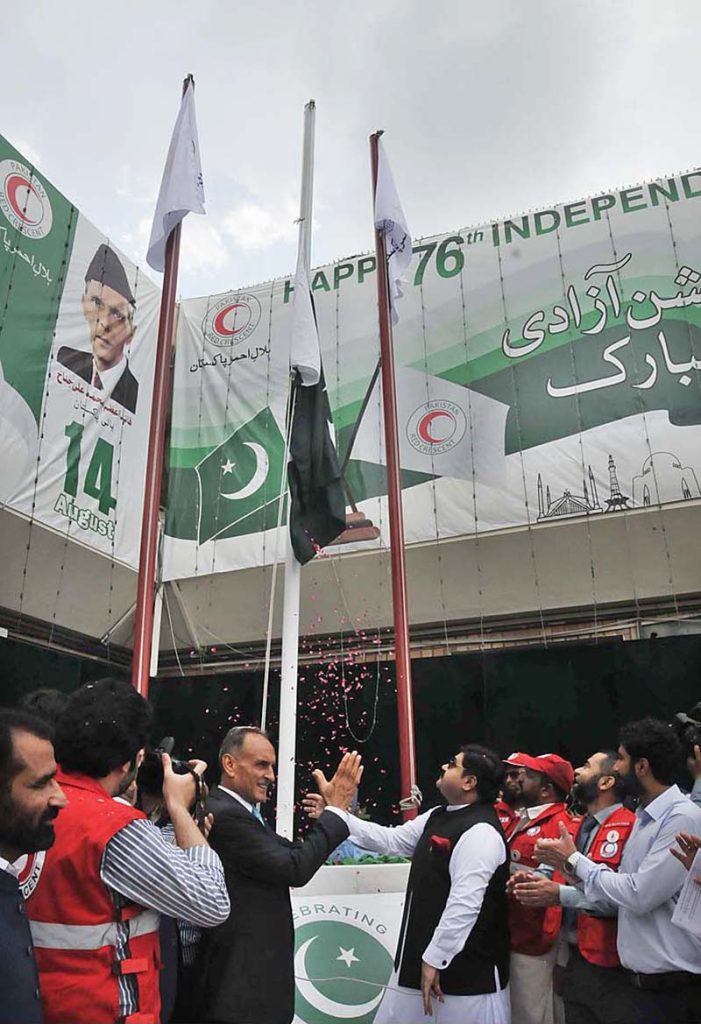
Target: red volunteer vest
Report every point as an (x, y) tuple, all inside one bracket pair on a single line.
[(74, 920), (596, 936), (508, 817), (534, 929)]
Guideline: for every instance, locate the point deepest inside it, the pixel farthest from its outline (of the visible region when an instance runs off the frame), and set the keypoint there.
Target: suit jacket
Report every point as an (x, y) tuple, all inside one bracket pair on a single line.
[(246, 964), (126, 390)]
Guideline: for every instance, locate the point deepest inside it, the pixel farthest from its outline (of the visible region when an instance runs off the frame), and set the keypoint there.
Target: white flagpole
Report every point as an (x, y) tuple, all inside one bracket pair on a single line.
[(290, 609)]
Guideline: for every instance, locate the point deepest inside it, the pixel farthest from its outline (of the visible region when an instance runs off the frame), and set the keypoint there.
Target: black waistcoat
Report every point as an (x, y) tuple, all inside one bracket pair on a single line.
[(20, 1002), (471, 972)]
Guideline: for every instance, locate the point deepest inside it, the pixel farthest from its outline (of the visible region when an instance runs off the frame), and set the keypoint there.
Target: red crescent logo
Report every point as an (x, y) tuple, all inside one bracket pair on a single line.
[(12, 184), (220, 327), (424, 427)]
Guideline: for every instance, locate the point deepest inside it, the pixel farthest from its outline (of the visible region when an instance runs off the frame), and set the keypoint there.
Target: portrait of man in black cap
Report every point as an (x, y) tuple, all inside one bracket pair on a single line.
[(108, 307)]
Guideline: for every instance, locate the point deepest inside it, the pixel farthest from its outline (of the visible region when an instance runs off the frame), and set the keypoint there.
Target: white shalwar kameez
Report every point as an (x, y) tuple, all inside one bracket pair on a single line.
[(475, 858)]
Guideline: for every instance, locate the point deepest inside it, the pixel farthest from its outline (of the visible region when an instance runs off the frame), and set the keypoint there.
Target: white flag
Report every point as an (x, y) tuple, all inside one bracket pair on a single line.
[(182, 189), (391, 223), (444, 429)]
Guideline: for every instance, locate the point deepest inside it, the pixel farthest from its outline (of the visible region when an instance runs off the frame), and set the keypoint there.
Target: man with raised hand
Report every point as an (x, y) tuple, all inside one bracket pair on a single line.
[(593, 983), (95, 908), (246, 964), (453, 944), (662, 961), (30, 799)]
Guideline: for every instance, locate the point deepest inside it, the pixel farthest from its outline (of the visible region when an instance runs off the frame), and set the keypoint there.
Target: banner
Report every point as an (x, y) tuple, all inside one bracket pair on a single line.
[(548, 366), (77, 338), (344, 953)]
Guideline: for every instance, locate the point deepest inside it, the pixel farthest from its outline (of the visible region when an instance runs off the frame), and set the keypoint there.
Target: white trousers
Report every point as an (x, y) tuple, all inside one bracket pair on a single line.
[(531, 986)]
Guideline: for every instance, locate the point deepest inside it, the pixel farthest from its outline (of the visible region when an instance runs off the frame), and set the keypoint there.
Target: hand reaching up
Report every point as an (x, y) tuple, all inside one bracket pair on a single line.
[(340, 790)]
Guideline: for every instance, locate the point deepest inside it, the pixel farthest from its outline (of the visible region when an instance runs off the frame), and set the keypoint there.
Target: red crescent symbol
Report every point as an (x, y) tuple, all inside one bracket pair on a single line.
[(424, 427), (218, 323), (14, 182)]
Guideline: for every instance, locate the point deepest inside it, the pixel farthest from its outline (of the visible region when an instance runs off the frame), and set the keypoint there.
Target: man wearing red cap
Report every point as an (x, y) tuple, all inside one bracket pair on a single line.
[(534, 931)]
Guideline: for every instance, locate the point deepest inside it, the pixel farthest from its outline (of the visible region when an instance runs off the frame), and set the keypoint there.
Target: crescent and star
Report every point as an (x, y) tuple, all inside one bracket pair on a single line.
[(257, 480), (320, 1002)]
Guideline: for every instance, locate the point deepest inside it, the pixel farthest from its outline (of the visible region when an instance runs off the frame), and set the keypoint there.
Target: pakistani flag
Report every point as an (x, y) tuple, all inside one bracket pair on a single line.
[(239, 482), (317, 502)]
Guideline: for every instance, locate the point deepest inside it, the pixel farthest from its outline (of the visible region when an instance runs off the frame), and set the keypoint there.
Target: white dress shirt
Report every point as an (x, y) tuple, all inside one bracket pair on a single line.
[(110, 377), (475, 857), (225, 789), (646, 888), (9, 866)]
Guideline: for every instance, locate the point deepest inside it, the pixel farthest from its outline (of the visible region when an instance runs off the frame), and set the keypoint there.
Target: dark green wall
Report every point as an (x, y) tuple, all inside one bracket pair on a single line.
[(566, 699)]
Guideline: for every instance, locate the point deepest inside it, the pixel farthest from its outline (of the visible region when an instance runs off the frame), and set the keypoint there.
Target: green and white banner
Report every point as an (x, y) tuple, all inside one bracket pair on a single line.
[(344, 952), (77, 343), (548, 366)]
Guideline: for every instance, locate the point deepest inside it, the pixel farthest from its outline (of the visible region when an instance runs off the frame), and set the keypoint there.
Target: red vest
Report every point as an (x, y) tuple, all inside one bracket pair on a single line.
[(596, 936), (534, 929), (508, 817), (74, 919)]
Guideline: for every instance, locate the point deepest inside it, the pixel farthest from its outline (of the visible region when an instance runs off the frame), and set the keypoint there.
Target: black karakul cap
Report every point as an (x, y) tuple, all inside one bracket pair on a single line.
[(106, 268)]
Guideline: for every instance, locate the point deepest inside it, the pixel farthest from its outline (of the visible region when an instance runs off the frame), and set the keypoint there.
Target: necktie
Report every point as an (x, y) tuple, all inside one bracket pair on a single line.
[(257, 814), (96, 382), (585, 831)]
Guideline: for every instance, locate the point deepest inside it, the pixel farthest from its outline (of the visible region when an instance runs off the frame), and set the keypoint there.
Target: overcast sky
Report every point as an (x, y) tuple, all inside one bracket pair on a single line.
[(490, 107)]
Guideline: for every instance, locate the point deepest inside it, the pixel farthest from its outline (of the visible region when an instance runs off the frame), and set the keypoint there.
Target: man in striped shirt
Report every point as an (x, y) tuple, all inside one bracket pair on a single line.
[(96, 901)]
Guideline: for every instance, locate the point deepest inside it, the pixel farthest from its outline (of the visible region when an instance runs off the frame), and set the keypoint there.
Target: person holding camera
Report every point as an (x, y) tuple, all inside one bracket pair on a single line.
[(95, 903)]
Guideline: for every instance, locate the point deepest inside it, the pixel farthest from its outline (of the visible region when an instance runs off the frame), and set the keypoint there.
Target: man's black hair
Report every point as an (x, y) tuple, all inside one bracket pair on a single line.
[(46, 703), (488, 769), (610, 758), (657, 742), (12, 721), (103, 725)]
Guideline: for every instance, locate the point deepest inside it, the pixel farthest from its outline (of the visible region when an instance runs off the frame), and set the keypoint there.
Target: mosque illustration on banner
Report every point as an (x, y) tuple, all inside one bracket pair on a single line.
[(662, 479)]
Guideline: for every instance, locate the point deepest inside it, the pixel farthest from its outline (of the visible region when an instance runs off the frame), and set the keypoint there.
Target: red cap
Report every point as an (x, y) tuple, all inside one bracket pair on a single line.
[(523, 761), (557, 770)]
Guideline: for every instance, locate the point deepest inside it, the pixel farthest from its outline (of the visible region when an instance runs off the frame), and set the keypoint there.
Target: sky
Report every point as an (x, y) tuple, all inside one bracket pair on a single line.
[(490, 108)]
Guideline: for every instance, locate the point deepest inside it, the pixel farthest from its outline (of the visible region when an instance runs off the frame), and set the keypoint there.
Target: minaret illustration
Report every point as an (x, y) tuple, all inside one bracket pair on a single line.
[(568, 504), (617, 500)]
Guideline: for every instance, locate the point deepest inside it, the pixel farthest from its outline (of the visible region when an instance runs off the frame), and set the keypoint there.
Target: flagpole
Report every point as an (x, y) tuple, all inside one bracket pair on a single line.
[(290, 609), (400, 604), (145, 592)]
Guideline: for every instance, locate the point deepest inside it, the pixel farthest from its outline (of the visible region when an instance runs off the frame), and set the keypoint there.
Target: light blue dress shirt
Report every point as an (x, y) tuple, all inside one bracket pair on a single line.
[(646, 888)]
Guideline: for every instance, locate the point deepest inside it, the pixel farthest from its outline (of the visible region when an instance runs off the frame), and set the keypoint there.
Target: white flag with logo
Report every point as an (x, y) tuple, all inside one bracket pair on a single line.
[(444, 429), (391, 223), (182, 188)]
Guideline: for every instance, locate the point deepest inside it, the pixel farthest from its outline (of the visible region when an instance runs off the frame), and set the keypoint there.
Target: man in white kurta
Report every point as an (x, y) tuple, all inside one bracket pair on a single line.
[(475, 859)]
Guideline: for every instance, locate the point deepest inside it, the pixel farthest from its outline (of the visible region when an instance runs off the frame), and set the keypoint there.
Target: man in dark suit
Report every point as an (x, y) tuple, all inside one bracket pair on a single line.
[(30, 798), (246, 964), (108, 307)]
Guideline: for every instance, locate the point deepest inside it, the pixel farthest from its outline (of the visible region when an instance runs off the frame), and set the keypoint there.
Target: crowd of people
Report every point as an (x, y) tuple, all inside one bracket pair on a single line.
[(537, 893)]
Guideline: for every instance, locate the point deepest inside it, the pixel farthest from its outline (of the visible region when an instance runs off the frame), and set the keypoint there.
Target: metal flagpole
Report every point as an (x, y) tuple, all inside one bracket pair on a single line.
[(143, 621), (290, 608), (400, 604)]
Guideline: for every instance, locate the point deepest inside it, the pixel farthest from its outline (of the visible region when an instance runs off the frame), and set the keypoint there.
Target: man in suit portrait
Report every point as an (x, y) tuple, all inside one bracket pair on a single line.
[(108, 307), (246, 964)]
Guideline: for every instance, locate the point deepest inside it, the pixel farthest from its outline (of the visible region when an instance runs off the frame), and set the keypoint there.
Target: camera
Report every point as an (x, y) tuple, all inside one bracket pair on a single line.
[(688, 729), (149, 778)]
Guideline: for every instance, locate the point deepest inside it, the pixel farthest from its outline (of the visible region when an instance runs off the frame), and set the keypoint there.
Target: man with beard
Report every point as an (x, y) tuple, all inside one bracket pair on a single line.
[(30, 799), (535, 930), (662, 962), (95, 908), (453, 944), (593, 980), (511, 800)]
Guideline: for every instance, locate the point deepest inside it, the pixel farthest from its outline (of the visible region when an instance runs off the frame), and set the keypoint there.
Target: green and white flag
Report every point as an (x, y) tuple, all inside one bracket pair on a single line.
[(77, 343)]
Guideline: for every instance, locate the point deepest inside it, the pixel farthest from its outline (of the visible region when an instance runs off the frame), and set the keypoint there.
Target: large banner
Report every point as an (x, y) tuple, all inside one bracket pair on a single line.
[(548, 366), (77, 339)]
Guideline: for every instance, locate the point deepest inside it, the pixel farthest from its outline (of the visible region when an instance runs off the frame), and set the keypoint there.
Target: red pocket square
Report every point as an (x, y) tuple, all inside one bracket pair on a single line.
[(440, 844)]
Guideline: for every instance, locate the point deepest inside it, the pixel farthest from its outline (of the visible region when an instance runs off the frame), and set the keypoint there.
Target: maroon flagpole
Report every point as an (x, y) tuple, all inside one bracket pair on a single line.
[(145, 591), (400, 604)]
